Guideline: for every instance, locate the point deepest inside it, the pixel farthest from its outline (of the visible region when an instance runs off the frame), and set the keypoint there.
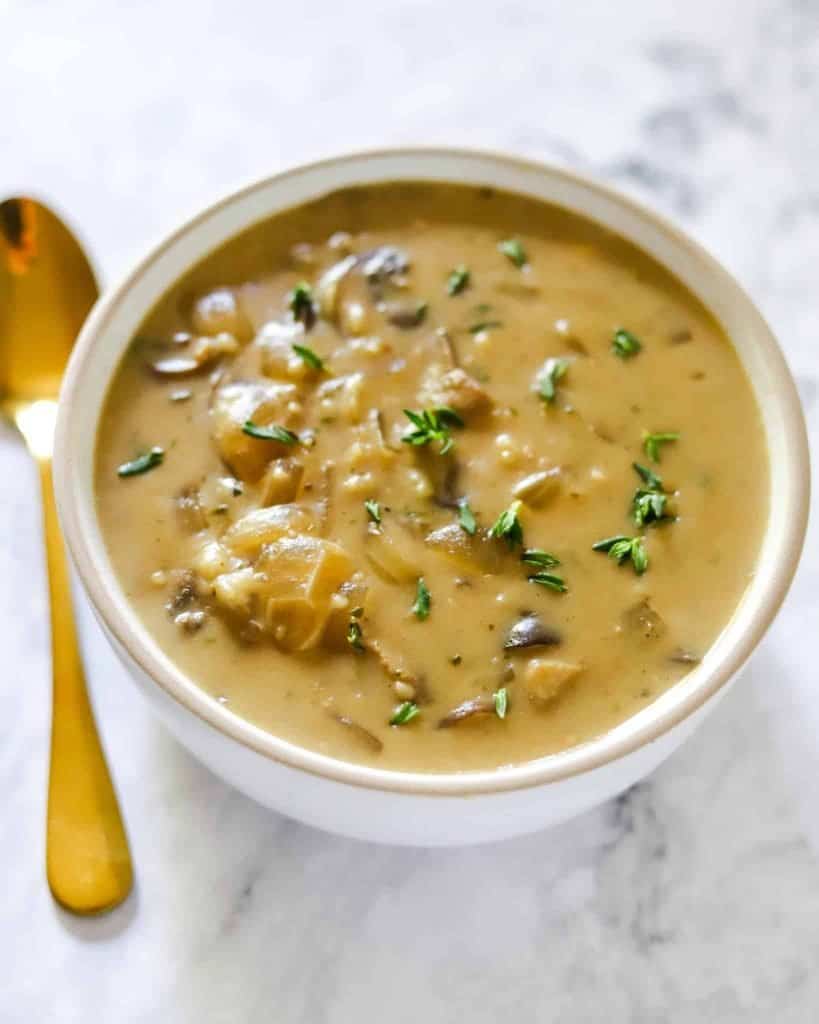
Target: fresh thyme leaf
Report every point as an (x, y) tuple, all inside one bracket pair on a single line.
[(501, 699), (457, 280), (309, 356), (553, 370), (355, 636), (542, 559), (513, 250), (466, 517), (652, 442), (432, 425), (272, 433), (142, 463), (301, 304), (484, 325), (648, 476), (639, 557), (507, 525), (550, 580), (373, 510), (621, 547), (625, 344), (422, 600), (648, 507), (404, 713)]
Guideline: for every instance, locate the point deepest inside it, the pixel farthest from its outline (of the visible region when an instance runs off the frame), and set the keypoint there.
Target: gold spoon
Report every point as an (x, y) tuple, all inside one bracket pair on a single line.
[(47, 288)]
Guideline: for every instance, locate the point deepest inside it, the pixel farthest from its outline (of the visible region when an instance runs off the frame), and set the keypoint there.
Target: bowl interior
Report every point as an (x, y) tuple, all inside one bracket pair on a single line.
[(122, 309)]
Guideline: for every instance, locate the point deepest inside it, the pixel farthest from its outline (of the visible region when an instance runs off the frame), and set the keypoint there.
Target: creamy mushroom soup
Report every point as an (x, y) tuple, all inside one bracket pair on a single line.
[(432, 477)]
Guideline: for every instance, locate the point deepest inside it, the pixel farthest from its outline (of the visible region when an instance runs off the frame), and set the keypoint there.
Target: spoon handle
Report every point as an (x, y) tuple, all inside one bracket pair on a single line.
[(87, 858)]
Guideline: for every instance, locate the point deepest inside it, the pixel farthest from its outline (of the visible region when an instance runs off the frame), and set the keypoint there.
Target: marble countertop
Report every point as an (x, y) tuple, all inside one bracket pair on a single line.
[(694, 897)]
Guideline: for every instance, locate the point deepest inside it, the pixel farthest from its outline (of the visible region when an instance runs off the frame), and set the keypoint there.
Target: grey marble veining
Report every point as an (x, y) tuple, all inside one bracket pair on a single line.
[(692, 898)]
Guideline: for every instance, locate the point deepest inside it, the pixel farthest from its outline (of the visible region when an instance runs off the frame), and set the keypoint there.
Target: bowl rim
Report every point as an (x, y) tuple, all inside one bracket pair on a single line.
[(121, 622)]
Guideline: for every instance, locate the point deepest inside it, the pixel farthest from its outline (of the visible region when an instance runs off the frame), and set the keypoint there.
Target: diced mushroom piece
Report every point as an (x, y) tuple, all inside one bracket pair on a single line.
[(263, 403), (453, 389), (475, 707), (642, 618), (472, 553), (529, 631), (405, 315), (364, 736), (385, 262), (219, 311), (281, 482), (539, 488), (185, 593), (341, 397), (546, 678), (191, 621), (248, 535), (278, 359)]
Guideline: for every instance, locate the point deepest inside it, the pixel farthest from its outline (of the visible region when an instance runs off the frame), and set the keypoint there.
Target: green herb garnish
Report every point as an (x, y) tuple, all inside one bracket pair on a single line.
[(309, 356), (550, 580), (649, 478), (272, 433), (652, 442), (457, 280), (649, 503), (542, 559), (620, 548), (422, 600), (466, 517), (404, 713), (355, 635), (507, 525), (373, 510), (513, 250), (648, 507), (301, 304), (142, 463), (501, 699), (484, 325), (432, 425), (624, 344), (553, 370)]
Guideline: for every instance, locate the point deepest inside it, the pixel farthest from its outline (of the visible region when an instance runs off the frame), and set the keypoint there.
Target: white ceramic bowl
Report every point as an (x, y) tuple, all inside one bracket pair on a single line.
[(405, 807)]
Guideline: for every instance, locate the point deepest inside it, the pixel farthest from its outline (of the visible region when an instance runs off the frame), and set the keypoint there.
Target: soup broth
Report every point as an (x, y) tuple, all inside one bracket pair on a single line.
[(432, 477)]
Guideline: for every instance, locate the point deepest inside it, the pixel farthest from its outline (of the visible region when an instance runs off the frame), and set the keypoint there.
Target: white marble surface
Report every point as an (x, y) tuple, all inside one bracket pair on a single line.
[(695, 898)]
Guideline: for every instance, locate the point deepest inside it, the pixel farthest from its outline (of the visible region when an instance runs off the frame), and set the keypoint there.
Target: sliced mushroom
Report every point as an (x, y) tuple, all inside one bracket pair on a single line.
[(384, 262), (363, 735), (475, 706), (405, 314), (530, 631), (446, 484), (453, 389)]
